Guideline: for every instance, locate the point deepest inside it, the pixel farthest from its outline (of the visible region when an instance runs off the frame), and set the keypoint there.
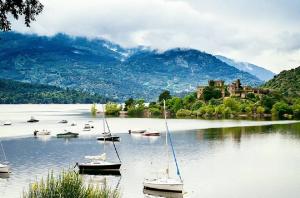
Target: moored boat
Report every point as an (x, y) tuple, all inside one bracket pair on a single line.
[(166, 183), (7, 123), (67, 135), (32, 119), (87, 127), (137, 131), (151, 133), (156, 193), (63, 121), (42, 132), (4, 168)]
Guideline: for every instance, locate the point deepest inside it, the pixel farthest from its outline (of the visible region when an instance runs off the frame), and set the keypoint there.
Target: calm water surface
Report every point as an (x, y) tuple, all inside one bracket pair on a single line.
[(256, 161), (231, 162)]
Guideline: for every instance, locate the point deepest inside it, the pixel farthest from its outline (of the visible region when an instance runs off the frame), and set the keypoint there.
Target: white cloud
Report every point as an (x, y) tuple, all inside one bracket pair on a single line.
[(261, 32)]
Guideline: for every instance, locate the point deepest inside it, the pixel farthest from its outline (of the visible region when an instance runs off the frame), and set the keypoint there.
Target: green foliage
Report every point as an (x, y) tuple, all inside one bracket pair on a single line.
[(137, 109), (215, 102), (17, 9), (112, 109), (13, 92), (296, 110), (281, 108), (174, 104), (183, 113), (196, 105), (93, 110), (267, 102), (67, 185), (211, 92), (232, 103), (165, 95), (188, 100), (260, 110), (128, 103), (155, 111), (287, 83)]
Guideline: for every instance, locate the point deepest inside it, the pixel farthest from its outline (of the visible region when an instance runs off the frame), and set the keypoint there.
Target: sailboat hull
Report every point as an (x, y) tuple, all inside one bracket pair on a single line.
[(164, 185), (91, 167), (109, 138)]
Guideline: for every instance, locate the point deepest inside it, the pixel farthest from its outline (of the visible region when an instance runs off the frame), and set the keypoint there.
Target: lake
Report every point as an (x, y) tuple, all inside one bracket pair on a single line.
[(232, 161)]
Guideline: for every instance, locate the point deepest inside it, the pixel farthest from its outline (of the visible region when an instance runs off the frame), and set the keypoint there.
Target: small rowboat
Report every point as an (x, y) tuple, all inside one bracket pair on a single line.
[(43, 132), (63, 121), (7, 123), (153, 133)]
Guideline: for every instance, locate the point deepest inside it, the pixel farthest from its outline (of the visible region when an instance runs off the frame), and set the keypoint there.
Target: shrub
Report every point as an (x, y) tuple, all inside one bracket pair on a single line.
[(183, 113), (260, 110), (112, 109), (281, 108), (197, 105), (155, 111), (67, 185), (233, 104)]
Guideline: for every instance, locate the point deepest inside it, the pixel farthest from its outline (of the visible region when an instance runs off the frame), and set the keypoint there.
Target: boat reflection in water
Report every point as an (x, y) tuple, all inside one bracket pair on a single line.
[(100, 172), (156, 193)]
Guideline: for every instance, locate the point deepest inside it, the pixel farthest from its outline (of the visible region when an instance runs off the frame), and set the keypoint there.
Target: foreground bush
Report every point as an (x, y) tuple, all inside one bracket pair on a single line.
[(67, 185), (183, 113)]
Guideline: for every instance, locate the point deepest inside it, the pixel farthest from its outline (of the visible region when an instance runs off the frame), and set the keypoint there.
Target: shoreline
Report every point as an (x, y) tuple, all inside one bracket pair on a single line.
[(50, 115)]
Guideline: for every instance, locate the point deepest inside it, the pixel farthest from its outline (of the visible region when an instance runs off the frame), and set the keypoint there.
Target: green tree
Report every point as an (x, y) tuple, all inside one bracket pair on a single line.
[(16, 8), (183, 113), (128, 103), (260, 110), (211, 92), (196, 105), (165, 95), (281, 108), (174, 104), (112, 109), (188, 100), (233, 104), (94, 110)]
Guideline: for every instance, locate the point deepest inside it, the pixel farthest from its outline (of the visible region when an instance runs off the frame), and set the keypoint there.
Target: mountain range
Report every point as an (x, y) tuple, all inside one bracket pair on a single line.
[(105, 68), (260, 72)]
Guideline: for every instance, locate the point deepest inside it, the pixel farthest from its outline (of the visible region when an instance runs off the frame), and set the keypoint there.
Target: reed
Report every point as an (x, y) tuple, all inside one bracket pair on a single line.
[(67, 185)]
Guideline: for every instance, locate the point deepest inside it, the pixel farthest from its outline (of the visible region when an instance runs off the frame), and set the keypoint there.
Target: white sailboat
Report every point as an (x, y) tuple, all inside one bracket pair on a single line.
[(98, 163), (4, 167), (166, 183), (106, 135)]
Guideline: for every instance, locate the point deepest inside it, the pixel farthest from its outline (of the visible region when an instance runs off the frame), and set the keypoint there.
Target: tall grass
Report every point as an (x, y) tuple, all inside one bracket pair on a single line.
[(67, 185)]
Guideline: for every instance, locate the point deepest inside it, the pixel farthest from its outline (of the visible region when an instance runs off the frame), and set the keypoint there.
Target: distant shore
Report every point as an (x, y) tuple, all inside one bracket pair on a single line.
[(50, 115)]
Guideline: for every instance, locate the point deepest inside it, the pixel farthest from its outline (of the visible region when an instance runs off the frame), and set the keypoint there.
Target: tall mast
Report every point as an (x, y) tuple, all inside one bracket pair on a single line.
[(103, 120), (166, 144)]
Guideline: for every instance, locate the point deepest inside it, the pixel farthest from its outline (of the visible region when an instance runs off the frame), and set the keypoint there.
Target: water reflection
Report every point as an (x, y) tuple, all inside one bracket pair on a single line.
[(155, 193), (207, 158)]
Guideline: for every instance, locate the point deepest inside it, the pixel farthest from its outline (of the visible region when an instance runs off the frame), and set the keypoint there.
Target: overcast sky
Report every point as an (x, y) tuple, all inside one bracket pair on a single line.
[(263, 32)]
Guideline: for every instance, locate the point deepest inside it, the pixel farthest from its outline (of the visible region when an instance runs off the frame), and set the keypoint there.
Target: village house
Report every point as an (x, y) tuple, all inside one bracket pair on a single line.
[(234, 89)]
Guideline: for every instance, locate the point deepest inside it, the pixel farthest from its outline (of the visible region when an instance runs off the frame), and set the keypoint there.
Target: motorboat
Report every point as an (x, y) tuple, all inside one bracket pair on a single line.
[(7, 123), (67, 135), (63, 121), (151, 133), (42, 132), (137, 131), (73, 124), (4, 168), (166, 183), (32, 119), (87, 127)]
